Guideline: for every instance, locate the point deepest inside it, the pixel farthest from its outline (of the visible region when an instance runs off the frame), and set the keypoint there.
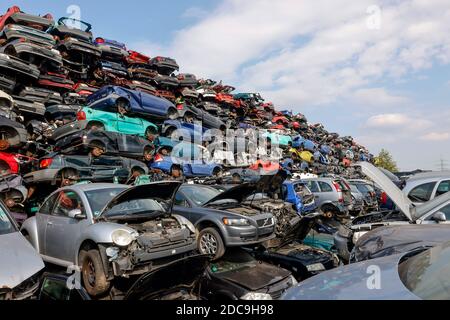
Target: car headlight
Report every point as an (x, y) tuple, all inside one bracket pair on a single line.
[(256, 296), (235, 222), (294, 281), (315, 267), (4, 56), (122, 238)]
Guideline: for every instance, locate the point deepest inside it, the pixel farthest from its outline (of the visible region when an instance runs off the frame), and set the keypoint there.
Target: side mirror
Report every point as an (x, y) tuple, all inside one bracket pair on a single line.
[(439, 217), (77, 214)]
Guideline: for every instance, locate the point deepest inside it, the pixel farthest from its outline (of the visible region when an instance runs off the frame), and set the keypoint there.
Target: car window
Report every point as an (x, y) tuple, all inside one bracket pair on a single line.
[(54, 290), (98, 199), (313, 186), (325, 187), (6, 225), (422, 193), (301, 189), (68, 201), (200, 195), (443, 187), (180, 200), (446, 210), (427, 274), (48, 205)]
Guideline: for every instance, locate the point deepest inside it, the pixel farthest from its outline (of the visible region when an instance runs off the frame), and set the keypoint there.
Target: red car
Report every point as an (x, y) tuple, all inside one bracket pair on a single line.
[(84, 89), (15, 16), (11, 162), (52, 80), (136, 57)]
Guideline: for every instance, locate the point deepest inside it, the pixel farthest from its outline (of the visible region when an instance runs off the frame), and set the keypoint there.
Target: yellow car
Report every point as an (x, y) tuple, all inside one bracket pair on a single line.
[(297, 155)]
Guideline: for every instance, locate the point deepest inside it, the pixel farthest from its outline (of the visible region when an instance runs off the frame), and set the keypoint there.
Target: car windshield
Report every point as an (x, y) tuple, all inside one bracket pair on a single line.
[(76, 24), (354, 188), (98, 199), (427, 274), (137, 207), (200, 195), (302, 190), (6, 225), (234, 260)]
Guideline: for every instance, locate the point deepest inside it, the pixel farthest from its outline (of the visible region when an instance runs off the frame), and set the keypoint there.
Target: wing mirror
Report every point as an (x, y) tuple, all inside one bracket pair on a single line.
[(439, 217), (77, 214)]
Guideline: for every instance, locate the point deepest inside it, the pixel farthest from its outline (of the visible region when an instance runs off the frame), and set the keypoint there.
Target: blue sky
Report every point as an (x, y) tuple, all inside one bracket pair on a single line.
[(377, 70)]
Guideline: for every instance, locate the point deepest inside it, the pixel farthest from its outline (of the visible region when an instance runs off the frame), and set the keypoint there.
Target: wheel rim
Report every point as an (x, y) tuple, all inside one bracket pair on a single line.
[(208, 244)]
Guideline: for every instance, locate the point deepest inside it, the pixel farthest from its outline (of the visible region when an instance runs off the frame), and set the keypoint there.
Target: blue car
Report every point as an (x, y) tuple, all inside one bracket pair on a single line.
[(137, 102), (307, 144), (185, 155), (297, 193), (186, 130)]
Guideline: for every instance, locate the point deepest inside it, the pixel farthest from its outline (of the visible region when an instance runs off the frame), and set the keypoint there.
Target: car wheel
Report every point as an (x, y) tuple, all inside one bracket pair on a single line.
[(329, 212), (12, 198), (172, 114), (93, 275), (211, 243), (67, 177), (217, 173)]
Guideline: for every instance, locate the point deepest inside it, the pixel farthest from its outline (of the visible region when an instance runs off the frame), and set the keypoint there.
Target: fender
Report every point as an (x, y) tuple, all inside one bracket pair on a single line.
[(218, 226), (30, 227)]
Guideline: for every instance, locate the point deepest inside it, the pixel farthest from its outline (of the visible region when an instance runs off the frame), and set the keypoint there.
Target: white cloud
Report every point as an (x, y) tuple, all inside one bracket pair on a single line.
[(398, 121), (436, 136)]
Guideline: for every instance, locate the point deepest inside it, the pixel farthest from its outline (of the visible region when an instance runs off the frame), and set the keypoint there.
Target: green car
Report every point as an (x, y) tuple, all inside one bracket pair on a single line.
[(115, 122), (282, 140)]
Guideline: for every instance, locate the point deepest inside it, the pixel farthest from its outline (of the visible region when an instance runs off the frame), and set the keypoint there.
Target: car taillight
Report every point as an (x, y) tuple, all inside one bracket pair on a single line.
[(100, 40), (158, 158), (22, 40), (81, 115), (383, 198), (180, 107), (337, 186), (159, 58), (45, 163)]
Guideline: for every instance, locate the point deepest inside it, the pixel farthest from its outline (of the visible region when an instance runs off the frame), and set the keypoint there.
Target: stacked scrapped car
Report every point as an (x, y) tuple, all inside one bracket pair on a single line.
[(75, 42)]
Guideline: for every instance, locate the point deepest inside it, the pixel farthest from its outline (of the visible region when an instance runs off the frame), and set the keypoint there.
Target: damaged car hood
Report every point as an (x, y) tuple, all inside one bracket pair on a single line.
[(398, 197), (300, 228), (256, 278), (269, 183), (19, 260), (390, 240), (161, 190), (183, 272)]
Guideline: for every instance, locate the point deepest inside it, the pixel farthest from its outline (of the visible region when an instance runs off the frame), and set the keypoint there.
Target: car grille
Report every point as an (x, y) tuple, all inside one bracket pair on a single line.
[(265, 222)]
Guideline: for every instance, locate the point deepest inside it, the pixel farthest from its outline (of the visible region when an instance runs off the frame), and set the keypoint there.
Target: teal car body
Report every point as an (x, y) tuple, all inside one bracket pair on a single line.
[(278, 139), (114, 122)]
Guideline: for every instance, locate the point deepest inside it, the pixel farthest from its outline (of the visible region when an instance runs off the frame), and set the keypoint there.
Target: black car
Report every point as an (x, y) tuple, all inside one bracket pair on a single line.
[(178, 280), (62, 113), (58, 169), (288, 251), (239, 276), (187, 80), (41, 95), (164, 65), (29, 108), (79, 142), (208, 120), (12, 134), (15, 68)]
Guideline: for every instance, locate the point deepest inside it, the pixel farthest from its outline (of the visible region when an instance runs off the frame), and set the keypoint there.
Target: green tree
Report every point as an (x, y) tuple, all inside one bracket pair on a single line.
[(385, 160)]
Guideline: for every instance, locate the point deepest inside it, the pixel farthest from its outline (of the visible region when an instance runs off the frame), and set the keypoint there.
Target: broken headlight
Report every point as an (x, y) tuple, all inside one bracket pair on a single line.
[(122, 238)]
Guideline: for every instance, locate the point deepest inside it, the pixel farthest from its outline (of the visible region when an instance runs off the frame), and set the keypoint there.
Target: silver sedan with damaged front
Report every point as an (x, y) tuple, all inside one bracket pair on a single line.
[(110, 230)]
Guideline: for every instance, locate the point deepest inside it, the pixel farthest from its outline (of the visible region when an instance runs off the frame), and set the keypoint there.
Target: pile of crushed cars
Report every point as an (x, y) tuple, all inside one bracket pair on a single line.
[(124, 169)]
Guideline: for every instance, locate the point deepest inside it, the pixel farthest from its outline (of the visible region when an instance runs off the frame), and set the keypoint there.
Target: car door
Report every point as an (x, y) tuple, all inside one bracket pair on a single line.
[(130, 125), (104, 168), (182, 206), (63, 231), (314, 187), (445, 209), (42, 219), (327, 192)]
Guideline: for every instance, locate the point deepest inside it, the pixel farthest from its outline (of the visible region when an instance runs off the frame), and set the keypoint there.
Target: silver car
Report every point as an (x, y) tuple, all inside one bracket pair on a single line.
[(110, 230), (427, 186), (333, 195), (20, 264)]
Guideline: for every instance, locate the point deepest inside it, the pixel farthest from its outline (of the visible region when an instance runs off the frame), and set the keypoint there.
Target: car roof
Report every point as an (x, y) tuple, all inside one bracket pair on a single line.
[(95, 186), (432, 176)]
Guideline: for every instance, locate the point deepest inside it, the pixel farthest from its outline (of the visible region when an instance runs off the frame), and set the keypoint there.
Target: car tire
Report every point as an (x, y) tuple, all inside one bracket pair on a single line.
[(172, 114), (92, 273), (217, 173), (329, 211), (210, 242)]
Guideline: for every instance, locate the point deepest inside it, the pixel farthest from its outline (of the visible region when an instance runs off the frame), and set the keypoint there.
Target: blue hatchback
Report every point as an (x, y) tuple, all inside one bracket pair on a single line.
[(297, 193)]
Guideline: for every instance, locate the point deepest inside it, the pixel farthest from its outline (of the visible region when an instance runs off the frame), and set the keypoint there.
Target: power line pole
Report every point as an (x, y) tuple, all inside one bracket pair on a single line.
[(442, 164)]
